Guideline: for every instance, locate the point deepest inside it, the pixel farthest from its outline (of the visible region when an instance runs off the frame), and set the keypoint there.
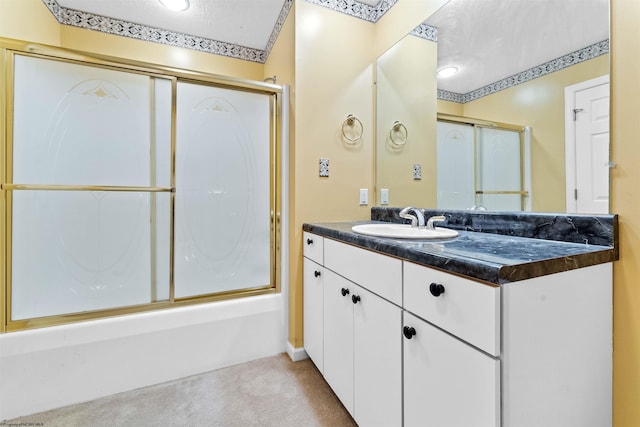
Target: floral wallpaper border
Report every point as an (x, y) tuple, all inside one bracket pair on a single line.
[(549, 67), (118, 27), (357, 9), (426, 32)]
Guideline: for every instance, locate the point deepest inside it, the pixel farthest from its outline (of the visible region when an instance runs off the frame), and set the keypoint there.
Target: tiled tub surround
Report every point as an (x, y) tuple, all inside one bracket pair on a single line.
[(495, 247)]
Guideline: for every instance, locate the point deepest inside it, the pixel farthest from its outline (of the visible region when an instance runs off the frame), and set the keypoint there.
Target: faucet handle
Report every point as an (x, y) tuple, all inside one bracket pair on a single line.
[(404, 214), (431, 220), (415, 215)]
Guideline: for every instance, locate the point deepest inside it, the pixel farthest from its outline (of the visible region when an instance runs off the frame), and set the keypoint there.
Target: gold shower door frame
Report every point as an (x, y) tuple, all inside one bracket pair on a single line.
[(8, 49), (477, 124)]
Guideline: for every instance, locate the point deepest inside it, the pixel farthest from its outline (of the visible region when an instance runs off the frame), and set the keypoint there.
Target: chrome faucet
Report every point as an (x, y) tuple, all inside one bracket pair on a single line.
[(434, 219), (415, 215)]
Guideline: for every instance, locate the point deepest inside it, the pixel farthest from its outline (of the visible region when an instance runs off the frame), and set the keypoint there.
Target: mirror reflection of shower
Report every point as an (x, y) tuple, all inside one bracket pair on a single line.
[(483, 166)]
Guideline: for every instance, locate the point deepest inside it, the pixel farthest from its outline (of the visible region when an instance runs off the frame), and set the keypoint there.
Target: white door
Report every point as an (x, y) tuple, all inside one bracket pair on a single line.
[(587, 143), (377, 361), (447, 383), (313, 315), (338, 337)]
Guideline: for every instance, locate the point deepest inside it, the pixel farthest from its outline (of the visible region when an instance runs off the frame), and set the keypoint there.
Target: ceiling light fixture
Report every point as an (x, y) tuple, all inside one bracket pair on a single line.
[(447, 72), (175, 5)]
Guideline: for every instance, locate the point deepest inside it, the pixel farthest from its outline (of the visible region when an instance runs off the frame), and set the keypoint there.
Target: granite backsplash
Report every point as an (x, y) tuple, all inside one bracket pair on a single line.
[(601, 230)]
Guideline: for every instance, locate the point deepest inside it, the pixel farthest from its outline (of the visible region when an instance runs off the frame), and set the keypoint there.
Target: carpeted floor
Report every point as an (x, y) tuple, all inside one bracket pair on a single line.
[(268, 392)]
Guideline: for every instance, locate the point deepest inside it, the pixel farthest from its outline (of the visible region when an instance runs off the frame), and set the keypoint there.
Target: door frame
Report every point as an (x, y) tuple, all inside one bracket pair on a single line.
[(570, 137)]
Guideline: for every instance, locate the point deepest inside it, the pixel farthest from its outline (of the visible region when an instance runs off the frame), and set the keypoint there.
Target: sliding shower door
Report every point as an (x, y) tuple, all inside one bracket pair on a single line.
[(126, 190), (481, 167), (90, 150), (223, 181), (456, 170), (499, 169)]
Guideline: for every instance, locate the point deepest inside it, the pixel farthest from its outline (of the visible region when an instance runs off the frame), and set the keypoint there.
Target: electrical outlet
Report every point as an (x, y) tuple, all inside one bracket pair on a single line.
[(417, 172), (384, 196), (324, 168), (364, 197)]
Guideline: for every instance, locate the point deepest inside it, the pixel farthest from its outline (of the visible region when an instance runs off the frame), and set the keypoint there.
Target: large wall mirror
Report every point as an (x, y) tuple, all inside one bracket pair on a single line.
[(539, 70)]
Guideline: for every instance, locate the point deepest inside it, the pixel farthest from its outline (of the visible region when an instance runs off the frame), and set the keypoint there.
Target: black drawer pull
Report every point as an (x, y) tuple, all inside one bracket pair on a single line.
[(436, 289), (409, 332), (309, 241), (344, 292), (355, 298), (316, 273)]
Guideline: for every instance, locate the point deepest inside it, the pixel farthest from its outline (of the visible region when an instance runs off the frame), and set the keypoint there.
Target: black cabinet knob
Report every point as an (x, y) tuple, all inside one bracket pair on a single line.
[(409, 332), (436, 289), (316, 273), (344, 292), (309, 241), (355, 298)]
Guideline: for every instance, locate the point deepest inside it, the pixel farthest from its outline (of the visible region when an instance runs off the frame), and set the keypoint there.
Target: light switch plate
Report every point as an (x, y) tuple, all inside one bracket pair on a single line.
[(364, 197), (324, 167), (384, 196)]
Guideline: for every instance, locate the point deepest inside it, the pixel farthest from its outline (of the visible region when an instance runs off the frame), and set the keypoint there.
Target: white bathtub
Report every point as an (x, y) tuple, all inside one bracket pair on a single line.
[(51, 367)]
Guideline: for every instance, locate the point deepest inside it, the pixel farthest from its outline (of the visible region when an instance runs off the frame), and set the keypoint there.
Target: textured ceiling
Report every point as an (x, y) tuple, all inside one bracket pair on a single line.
[(241, 22), (487, 39), (493, 39)]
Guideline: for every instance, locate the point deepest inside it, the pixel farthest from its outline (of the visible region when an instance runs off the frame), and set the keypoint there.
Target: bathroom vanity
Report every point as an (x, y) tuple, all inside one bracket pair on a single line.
[(484, 329)]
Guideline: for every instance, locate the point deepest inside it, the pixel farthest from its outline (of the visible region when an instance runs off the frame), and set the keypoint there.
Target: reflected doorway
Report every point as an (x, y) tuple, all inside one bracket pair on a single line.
[(587, 146)]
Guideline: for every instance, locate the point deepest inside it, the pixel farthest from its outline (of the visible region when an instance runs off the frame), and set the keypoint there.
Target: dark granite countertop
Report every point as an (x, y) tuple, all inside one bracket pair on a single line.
[(489, 257)]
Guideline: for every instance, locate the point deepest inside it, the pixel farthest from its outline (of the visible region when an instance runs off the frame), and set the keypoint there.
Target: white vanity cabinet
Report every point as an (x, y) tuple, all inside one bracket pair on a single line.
[(313, 279), (446, 381), (406, 344), (362, 358)]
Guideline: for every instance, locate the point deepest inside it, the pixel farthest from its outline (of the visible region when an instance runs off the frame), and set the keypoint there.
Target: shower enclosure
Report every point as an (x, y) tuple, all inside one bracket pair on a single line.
[(129, 187), (482, 165)]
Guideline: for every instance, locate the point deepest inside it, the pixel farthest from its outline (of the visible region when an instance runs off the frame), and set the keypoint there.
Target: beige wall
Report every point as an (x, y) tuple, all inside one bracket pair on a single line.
[(539, 103), (28, 20), (281, 63), (405, 95), (401, 19), (448, 107), (625, 201), (334, 78), (156, 53)]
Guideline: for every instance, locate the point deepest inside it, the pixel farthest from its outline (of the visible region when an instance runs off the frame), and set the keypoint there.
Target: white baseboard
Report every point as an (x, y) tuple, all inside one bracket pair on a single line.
[(296, 354)]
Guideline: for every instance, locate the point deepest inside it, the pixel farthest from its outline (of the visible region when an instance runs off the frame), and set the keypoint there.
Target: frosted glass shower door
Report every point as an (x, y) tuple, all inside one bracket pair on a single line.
[(223, 198), (456, 182), (499, 169), (89, 227)]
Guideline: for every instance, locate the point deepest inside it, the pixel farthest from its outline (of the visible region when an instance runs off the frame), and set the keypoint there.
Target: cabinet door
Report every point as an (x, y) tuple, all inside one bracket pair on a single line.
[(377, 360), (338, 337), (313, 247), (446, 381), (313, 311)]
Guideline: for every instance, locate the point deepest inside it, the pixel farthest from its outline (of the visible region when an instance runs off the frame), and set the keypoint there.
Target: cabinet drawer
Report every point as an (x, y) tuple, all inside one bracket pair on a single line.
[(467, 309), (313, 247), (378, 273)]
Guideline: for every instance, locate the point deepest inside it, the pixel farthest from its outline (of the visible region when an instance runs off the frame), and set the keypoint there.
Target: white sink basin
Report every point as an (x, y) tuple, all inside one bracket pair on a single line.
[(403, 231)]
